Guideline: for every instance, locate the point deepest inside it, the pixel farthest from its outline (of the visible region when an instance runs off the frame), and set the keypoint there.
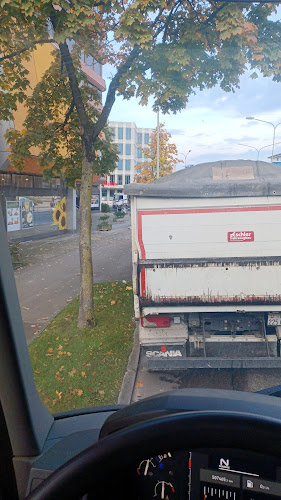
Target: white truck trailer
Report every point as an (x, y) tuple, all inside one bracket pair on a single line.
[(206, 246)]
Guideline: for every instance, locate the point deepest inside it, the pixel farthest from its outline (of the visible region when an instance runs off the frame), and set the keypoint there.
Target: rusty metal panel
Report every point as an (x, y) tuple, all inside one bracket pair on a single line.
[(252, 283)]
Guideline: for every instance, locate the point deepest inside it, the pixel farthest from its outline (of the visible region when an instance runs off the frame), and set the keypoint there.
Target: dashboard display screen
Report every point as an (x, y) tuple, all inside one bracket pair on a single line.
[(205, 475)]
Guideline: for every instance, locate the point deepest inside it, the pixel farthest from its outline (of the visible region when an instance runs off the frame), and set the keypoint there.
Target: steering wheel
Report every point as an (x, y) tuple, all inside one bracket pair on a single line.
[(183, 431)]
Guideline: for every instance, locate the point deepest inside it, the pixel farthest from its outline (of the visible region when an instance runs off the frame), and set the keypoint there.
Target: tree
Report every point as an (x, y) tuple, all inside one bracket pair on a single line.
[(146, 170), (161, 48)]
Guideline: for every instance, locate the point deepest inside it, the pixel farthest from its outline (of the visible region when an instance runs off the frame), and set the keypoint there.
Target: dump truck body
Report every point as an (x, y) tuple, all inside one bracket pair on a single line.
[(207, 267)]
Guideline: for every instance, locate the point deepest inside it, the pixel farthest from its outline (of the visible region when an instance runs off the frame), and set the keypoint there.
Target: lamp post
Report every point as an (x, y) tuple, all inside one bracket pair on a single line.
[(185, 155), (274, 129), (157, 147), (258, 150)]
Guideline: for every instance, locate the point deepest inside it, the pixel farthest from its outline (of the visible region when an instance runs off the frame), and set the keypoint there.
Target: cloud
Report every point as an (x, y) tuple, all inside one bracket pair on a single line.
[(214, 122), (176, 131)]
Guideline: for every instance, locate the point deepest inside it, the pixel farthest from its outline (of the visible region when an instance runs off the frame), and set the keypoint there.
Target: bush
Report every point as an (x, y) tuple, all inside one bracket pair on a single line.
[(119, 215), (105, 207), (104, 217)]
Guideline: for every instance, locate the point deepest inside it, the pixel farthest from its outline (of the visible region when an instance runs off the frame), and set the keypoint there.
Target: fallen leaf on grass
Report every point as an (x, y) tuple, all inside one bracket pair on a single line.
[(59, 394), (101, 393), (79, 392), (83, 374), (50, 349), (129, 288), (113, 302), (72, 372)]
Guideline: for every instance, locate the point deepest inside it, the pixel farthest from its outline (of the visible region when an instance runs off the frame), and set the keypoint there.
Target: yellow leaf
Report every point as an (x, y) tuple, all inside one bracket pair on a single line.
[(50, 349), (129, 288), (79, 392), (83, 374), (101, 393), (113, 302), (59, 394)]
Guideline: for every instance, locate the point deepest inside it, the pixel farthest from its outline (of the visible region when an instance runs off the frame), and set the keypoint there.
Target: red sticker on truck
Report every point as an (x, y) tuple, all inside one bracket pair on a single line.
[(240, 236)]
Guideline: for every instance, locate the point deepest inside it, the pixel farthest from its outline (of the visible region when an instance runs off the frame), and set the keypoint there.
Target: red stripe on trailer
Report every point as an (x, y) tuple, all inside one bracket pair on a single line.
[(142, 250), (142, 283)]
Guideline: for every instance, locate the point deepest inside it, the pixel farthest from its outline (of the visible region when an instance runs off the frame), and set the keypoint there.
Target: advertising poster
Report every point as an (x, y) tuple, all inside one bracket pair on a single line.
[(95, 201), (27, 220), (13, 215)]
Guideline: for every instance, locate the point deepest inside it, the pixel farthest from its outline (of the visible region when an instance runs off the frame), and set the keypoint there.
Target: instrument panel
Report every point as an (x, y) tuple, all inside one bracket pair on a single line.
[(205, 475)]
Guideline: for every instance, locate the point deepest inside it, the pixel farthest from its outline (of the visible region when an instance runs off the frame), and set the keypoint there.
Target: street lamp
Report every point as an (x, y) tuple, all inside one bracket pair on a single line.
[(157, 146), (258, 150), (274, 129), (185, 155)]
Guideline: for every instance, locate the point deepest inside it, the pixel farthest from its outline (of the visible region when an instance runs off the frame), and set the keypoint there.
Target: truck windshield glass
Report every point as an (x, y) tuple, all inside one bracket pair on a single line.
[(140, 180)]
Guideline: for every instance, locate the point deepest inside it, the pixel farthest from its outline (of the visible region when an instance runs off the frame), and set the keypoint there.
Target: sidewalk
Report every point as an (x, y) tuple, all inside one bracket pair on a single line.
[(50, 275)]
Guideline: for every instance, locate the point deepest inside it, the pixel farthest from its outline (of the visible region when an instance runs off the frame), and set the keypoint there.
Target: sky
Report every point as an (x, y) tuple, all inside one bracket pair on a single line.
[(213, 126)]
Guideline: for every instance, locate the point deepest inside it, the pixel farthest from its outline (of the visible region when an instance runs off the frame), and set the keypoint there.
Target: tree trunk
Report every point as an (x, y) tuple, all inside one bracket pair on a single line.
[(86, 304)]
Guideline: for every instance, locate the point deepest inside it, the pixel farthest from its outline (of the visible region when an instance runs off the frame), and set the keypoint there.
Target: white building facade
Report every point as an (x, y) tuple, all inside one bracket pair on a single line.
[(128, 137)]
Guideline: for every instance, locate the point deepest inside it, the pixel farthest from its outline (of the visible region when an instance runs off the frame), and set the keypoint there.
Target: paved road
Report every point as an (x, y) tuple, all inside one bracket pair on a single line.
[(45, 287), (150, 383), (45, 217)]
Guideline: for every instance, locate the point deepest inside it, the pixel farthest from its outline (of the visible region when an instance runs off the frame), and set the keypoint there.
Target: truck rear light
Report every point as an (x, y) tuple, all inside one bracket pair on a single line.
[(156, 321)]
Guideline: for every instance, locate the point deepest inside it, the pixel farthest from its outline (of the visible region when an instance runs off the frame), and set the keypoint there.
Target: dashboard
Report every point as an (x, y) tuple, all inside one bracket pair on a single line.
[(205, 474)]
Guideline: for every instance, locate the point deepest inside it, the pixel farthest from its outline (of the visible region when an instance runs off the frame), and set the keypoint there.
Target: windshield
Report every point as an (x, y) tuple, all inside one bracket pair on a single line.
[(140, 185)]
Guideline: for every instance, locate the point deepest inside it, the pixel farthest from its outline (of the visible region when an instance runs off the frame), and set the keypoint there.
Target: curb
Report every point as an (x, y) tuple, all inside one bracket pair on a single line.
[(128, 384), (44, 327)]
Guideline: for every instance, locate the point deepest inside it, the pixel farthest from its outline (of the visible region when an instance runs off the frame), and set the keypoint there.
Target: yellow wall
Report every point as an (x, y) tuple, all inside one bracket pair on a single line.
[(39, 62)]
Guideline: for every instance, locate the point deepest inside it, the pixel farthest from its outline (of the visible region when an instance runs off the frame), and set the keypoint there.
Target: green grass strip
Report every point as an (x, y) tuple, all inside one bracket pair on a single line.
[(76, 368)]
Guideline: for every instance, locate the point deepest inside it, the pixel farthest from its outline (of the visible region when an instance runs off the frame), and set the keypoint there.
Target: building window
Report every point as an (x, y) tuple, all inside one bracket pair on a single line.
[(128, 134), (97, 67), (120, 133), (139, 153), (104, 193), (120, 165), (127, 164), (111, 193), (112, 178), (128, 149), (146, 138), (127, 179), (139, 138), (120, 149), (90, 61), (120, 180)]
